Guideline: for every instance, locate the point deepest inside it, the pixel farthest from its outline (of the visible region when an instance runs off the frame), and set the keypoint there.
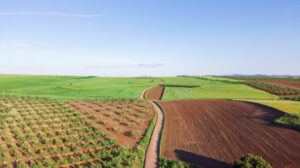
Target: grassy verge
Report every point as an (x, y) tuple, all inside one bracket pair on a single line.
[(144, 143)]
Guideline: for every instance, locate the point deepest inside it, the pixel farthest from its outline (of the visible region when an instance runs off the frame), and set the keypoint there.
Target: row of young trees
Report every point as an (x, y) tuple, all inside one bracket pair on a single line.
[(47, 133), (116, 157), (294, 98), (273, 89)]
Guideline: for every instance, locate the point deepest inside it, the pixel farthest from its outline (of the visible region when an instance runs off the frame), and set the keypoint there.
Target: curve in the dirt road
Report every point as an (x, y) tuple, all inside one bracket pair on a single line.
[(152, 153), (143, 94)]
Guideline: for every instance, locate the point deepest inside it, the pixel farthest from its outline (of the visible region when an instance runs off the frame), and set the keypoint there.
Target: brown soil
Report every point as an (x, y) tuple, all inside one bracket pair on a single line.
[(155, 93), (286, 83), (120, 118), (213, 133)]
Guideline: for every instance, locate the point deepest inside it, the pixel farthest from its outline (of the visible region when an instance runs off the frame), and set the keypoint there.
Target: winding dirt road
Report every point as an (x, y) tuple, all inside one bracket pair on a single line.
[(143, 94), (152, 152)]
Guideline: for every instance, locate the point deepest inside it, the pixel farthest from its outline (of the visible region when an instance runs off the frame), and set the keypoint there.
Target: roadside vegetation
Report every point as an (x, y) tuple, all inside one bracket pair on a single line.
[(164, 163)]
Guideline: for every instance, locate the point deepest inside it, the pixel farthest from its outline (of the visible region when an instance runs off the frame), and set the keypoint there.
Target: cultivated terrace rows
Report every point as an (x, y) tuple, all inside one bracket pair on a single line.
[(38, 132)]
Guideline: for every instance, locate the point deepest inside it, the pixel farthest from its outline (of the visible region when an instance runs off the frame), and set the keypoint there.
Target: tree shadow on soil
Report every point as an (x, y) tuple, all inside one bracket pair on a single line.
[(200, 160), (269, 115)]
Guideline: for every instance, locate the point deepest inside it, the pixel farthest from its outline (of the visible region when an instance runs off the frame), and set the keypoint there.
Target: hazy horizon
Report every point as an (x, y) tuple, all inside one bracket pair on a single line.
[(149, 38)]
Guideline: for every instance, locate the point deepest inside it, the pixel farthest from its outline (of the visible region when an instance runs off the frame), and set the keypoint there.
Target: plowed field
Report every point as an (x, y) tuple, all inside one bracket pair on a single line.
[(213, 133), (155, 93)]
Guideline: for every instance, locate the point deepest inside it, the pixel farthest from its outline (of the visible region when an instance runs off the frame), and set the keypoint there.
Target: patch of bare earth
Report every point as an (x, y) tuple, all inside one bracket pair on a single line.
[(213, 133), (155, 93), (127, 121)]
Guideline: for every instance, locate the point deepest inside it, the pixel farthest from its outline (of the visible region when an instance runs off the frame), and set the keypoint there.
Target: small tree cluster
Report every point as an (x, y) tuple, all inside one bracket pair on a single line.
[(251, 161)]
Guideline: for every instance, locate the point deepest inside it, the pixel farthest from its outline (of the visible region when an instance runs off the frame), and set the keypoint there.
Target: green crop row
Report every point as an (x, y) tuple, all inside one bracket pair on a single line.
[(273, 89)]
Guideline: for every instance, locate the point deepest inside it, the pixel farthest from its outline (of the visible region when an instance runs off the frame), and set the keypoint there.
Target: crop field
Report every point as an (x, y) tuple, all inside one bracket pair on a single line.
[(127, 121), (274, 85), (38, 132), (291, 107), (213, 133), (73, 121), (262, 78), (285, 83), (273, 89), (203, 80), (212, 88), (72, 87), (291, 117), (155, 93)]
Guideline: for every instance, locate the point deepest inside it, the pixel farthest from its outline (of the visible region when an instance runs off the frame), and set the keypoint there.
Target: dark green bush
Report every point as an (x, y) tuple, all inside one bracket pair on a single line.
[(251, 161), (164, 163)]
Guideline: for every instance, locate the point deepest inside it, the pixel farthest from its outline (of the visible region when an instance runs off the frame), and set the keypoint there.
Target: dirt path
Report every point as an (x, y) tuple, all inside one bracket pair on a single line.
[(142, 96), (152, 153)]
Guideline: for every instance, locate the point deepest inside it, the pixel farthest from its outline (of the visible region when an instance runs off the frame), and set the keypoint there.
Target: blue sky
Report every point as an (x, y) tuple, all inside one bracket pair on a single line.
[(149, 37)]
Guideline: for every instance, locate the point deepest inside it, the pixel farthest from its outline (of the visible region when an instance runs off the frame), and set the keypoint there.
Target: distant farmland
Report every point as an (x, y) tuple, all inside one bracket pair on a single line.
[(77, 121), (74, 87), (211, 88)]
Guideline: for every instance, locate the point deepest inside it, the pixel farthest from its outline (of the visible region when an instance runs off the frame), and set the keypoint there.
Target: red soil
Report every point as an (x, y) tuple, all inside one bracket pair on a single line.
[(155, 93), (213, 133), (114, 113)]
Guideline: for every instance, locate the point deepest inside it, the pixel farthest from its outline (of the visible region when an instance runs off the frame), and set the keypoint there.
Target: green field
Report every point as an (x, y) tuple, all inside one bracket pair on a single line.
[(291, 118), (74, 87), (291, 107), (212, 88), (203, 80)]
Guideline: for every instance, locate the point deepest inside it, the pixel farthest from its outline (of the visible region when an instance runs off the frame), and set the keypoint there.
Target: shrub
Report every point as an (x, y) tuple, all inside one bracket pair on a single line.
[(251, 161), (136, 134), (132, 123), (164, 163)]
